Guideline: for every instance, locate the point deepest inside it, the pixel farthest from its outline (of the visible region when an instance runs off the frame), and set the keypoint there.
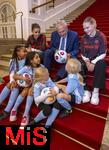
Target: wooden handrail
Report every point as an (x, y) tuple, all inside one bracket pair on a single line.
[(33, 9)]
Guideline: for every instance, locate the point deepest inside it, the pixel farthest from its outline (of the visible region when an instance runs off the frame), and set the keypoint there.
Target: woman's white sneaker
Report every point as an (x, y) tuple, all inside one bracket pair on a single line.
[(95, 98), (86, 97)]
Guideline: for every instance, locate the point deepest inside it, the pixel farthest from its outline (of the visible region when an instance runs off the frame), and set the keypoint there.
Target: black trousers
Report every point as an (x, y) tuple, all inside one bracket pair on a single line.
[(47, 108), (48, 59), (99, 74)]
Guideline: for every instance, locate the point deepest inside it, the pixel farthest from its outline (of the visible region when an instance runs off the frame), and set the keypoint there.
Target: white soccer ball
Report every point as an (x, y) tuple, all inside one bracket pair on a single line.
[(50, 99), (60, 56), (23, 83)]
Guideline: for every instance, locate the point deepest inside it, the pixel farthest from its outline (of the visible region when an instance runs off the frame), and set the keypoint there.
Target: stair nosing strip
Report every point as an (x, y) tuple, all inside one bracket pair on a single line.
[(69, 137), (104, 95), (93, 114)]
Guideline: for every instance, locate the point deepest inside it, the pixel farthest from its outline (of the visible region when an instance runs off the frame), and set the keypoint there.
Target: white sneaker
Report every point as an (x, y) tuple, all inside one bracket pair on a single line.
[(13, 115), (86, 97), (95, 98)]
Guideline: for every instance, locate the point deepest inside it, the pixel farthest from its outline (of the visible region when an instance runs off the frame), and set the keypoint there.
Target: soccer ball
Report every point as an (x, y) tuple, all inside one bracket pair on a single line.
[(23, 83), (49, 99), (60, 56)]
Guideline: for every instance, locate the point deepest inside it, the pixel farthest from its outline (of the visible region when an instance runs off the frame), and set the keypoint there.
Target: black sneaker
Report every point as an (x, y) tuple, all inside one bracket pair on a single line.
[(65, 113), (3, 115), (32, 123), (1, 106), (57, 78)]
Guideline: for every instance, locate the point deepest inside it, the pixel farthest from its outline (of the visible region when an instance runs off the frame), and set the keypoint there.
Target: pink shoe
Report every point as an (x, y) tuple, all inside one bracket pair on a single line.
[(25, 121), (13, 116)]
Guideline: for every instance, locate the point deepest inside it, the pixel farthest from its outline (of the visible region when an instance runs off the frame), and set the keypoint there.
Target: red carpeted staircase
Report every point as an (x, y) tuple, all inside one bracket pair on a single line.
[(86, 124), (83, 129)]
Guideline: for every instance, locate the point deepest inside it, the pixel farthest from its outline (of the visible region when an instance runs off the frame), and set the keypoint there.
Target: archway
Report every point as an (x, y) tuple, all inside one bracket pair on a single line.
[(7, 21)]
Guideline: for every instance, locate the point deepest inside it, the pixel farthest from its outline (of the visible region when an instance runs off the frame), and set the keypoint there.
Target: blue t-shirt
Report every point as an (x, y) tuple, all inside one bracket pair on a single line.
[(74, 87), (26, 69), (14, 67), (29, 70), (39, 86)]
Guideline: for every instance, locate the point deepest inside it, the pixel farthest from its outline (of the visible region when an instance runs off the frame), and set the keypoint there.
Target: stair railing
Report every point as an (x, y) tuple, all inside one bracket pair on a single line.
[(44, 4)]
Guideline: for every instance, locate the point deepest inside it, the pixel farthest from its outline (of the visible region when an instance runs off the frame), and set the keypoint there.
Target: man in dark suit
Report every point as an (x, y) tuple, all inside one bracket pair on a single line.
[(62, 39)]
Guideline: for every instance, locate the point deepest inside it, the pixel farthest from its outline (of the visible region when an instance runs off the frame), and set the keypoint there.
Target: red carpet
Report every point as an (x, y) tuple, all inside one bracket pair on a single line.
[(100, 110), (84, 128), (61, 142)]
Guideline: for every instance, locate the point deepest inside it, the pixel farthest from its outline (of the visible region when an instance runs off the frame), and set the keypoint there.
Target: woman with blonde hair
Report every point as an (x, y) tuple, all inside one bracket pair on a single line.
[(93, 51)]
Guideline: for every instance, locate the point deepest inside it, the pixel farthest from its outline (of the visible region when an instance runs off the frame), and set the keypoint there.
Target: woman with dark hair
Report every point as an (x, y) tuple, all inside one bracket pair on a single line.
[(37, 40)]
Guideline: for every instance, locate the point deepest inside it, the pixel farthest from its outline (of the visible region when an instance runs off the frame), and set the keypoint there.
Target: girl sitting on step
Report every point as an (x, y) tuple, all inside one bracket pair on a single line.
[(16, 63), (32, 63)]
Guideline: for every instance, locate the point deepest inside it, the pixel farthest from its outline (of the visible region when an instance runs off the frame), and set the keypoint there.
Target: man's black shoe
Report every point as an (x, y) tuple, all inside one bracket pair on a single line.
[(1, 106), (32, 123), (3, 115), (57, 78), (64, 113)]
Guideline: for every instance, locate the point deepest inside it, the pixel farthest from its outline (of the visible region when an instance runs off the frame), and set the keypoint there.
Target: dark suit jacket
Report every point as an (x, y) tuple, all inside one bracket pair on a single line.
[(71, 45)]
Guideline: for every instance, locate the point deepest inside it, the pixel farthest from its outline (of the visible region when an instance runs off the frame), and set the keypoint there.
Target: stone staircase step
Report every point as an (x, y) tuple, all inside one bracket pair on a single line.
[(6, 57), (12, 41), (70, 17), (5, 49), (7, 44), (3, 73), (4, 65)]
